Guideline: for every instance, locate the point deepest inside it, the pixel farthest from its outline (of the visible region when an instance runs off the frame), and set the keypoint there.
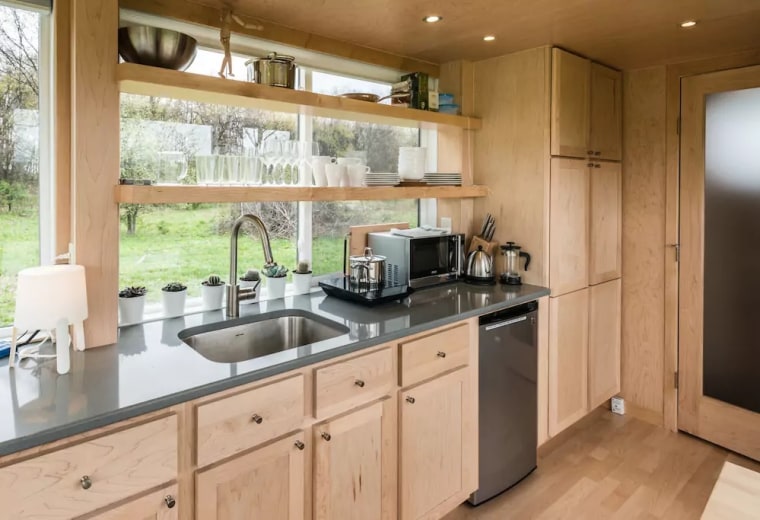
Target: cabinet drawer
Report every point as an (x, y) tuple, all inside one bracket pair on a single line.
[(241, 421), (93, 474), (344, 385), (432, 355)]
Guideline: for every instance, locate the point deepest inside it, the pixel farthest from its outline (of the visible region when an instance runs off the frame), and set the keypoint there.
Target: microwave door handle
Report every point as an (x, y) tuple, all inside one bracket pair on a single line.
[(459, 255)]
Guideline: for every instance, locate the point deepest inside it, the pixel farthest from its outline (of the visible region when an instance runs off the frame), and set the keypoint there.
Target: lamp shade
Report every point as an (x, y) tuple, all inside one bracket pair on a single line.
[(47, 294)]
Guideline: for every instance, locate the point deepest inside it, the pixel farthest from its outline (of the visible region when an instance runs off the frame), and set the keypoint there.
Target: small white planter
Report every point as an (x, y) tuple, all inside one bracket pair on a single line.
[(276, 287), (174, 303), (255, 284), (301, 283), (213, 296), (131, 309)]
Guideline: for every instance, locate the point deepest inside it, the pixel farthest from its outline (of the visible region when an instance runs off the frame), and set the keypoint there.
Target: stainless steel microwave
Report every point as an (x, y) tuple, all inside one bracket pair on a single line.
[(422, 260)]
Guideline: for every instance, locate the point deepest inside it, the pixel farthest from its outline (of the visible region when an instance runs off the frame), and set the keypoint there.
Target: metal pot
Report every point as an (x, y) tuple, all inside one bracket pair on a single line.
[(479, 267), (367, 269), (275, 70)]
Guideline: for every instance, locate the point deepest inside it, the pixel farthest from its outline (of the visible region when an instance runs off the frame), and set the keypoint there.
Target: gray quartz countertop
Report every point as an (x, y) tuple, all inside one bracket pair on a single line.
[(150, 368)]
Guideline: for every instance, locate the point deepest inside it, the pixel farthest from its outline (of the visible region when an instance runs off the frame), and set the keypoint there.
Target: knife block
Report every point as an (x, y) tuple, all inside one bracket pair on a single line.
[(489, 247)]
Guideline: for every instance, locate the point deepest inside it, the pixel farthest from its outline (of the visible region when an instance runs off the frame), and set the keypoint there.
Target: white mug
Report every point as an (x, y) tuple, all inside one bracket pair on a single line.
[(356, 174), (335, 174), (318, 164)]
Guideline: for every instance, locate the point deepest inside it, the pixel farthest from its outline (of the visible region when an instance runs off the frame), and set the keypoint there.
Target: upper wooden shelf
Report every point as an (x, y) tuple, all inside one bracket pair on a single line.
[(199, 194), (154, 81)]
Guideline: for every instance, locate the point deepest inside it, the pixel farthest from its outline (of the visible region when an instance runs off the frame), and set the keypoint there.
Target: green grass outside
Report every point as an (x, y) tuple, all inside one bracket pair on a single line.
[(19, 248)]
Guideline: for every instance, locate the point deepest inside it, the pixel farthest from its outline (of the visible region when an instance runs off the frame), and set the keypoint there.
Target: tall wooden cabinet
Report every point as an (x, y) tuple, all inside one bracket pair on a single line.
[(605, 222), (604, 342), (606, 116)]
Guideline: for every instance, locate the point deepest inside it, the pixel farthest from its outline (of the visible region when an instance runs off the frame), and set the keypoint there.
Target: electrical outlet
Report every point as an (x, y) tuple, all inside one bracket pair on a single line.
[(617, 405), (446, 224)]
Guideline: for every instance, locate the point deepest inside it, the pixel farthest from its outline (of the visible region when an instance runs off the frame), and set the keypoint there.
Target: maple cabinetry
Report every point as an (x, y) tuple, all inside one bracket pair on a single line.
[(604, 342), (586, 114)]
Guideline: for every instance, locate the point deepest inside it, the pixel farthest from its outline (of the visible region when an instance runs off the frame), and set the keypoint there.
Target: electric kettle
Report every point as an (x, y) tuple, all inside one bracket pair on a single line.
[(512, 254), (479, 267)]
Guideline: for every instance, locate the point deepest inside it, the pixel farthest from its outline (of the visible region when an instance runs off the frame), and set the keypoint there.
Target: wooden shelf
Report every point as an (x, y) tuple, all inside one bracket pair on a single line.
[(154, 81), (199, 194)]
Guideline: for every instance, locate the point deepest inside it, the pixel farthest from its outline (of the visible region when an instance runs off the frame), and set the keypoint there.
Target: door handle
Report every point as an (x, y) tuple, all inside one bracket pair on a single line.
[(505, 323)]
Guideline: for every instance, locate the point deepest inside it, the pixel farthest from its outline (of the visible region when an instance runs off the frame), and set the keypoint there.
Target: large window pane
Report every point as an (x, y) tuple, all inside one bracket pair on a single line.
[(19, 150)]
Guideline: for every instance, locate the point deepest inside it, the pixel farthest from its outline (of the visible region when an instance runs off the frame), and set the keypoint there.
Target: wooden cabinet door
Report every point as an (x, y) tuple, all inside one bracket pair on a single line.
[(606, 138), (570, 104), (568, 360), (352, 469), (606, 222), (568, 225), (604, 342), (159, 505), (435, 443), (264, 483)]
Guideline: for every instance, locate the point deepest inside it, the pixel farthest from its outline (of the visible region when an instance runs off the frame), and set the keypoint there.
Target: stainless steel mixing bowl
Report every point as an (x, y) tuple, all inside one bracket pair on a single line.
[(156, 47)]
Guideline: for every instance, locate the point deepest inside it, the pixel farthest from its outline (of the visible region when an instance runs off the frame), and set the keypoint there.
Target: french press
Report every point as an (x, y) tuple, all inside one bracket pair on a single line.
[(511, 264)]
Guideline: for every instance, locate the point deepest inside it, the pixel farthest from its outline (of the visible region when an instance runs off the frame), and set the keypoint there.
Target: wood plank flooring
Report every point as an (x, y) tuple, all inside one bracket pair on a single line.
[(608, 466)]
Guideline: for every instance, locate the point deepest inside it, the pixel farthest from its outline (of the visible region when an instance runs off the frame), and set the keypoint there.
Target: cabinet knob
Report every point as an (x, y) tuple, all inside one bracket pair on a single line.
[(597, 165), (257, 418), (441, 354), (410, 399), (359, 383), (170, 502), (597, 153), (326, 436), (590, 165), (86, 482), (300, 445), (590, 152)]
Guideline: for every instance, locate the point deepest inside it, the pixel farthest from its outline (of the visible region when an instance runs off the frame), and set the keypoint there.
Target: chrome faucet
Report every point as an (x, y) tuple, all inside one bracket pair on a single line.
[(234, 292)]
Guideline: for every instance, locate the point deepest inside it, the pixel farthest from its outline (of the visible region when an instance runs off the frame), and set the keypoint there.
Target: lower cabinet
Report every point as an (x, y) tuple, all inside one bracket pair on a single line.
[(568, 359), (604, 342), (159, 505), (267, 482), (435, 445), (351, 465)]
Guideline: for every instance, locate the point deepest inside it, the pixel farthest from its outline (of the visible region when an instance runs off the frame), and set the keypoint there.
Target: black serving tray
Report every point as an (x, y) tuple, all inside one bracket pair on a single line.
[(341, 288)]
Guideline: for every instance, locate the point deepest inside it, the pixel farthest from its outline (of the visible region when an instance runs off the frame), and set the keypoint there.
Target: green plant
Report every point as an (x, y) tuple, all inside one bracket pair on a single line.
[(174, 287), (132, 292), (213, 281), (275, 271), (303, 267), (251, 275)]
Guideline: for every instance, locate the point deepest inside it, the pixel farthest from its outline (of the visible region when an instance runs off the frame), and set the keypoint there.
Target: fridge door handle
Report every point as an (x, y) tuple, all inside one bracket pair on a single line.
[(505, 323)]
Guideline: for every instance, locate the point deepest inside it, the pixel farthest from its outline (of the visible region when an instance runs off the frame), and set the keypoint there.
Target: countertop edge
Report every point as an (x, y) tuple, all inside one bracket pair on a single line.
[(91, 423)]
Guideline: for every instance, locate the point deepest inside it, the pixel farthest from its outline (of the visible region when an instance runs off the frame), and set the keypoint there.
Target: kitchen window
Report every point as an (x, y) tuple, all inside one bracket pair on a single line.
[(26, 180), (167, 139)]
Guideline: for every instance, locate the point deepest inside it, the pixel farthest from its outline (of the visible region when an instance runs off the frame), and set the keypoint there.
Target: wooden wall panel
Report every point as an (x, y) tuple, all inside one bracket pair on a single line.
[(62, 125), (644, 184), (512, 95), (95, 160)]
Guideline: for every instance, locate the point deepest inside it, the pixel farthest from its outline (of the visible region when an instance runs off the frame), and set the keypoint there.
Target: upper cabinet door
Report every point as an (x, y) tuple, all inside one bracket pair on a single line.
[(606, 215), (606, 141), (568, 226), (570, 104)]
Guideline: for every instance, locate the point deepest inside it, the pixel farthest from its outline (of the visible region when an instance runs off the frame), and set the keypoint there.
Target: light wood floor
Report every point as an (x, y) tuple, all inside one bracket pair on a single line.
[(609, 466)]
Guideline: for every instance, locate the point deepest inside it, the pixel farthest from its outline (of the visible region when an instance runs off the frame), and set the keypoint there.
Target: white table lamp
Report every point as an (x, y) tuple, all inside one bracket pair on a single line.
[(52, 297)]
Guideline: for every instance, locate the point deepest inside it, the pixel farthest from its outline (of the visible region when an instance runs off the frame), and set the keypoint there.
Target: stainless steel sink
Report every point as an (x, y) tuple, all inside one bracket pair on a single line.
[(239, 340)]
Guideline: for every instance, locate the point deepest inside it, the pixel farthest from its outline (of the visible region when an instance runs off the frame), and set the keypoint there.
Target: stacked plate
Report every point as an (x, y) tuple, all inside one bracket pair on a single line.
[(382, 179), (443, 179)]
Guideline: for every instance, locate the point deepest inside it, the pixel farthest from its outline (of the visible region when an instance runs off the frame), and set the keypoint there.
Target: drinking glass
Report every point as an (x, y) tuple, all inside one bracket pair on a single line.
[(172, 167), (205, 167)]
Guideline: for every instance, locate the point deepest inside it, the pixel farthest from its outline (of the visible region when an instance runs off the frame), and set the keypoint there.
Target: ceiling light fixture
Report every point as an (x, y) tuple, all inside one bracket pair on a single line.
[(688, 23), (489, 38), (432, 18)]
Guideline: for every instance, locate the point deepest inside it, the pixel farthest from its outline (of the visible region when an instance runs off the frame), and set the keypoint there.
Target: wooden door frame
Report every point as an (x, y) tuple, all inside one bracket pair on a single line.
[(674, 74)]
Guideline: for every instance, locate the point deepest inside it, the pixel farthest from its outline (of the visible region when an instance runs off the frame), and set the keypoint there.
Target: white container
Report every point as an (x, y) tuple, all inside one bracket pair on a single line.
[(411, 162), (357, 174), (301, 283), (213, 296), (253, 284), (174, 303), (131, 309), (276, 287), (318, 163), (335, 174)]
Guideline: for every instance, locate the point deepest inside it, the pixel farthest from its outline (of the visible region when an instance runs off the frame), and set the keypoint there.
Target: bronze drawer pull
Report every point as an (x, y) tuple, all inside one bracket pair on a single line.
[(359, 383), (410, 399), (441, 354), (86, 482), (170, 502), (257, 418), (300, 445)]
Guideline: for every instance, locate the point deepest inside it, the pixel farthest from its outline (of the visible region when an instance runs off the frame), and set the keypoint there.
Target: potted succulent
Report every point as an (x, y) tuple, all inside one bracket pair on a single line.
[(302, 278), (173, 296), (132, 304), (276, 276), (251, 280), (212, 292)]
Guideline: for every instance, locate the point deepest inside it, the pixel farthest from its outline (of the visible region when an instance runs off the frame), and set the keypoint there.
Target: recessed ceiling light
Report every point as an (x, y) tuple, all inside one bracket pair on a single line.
[(432, 18), (489, 38), (688, 23)]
